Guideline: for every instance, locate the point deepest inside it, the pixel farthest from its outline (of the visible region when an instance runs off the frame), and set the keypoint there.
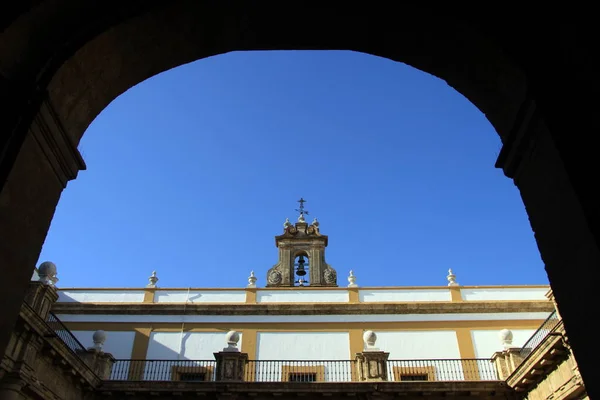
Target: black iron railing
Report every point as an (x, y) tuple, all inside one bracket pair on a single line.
[(547, 326), (163, 370), (440, 370), (444, 370), (300, 371), (64, 334)]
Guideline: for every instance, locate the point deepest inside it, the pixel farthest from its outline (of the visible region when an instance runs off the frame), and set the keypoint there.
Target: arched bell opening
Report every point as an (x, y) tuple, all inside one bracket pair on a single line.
[(301, 269)]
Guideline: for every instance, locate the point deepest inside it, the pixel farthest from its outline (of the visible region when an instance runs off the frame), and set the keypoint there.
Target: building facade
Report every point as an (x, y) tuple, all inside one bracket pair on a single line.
[(305, 326)]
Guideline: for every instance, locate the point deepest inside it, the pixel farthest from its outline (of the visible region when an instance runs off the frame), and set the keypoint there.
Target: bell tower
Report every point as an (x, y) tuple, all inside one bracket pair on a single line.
[(301, 255)]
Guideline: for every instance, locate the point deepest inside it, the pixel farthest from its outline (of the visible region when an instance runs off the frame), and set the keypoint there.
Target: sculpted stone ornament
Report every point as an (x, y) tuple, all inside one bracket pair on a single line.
[(330, 276), (274, 278), (291, 230)]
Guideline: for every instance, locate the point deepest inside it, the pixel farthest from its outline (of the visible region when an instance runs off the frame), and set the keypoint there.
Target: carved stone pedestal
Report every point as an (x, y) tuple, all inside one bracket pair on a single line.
[(100, 362), (507, 361), (371, 366), (231, 365), (41, 297)]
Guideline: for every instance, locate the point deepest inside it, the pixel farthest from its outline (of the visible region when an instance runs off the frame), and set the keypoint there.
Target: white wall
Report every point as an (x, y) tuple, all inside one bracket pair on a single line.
[(504, 294), (118, 343), (101, 296), (372, 296), (310, 346), (194, 345), (200, 296), (418, 344), (487, 342), (173, 346), (421, 345), (303, 346), (302, 296)]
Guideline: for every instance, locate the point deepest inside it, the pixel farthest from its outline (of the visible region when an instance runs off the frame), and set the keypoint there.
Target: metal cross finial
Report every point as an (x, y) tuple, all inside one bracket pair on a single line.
[(301, 209)]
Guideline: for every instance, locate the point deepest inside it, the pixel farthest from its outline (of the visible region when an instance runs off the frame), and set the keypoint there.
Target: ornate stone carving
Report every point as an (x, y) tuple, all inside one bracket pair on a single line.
[(152, 280), (451, 278), (330, 276), (274, 277), (252, 280), (352, 279)]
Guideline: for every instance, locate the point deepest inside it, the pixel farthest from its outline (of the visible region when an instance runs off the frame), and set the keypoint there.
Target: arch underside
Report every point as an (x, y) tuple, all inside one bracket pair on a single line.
[(66, 60)]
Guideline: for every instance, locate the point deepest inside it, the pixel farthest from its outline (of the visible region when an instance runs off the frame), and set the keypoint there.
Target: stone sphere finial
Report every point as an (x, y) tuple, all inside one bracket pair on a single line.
[(152, 280), (506, 338), (315, 222), (451, 278), (287, 223), (99, 337), (301, 218), (252, 280), (369, 337), (47, 273), (232, 338), (352, 280)]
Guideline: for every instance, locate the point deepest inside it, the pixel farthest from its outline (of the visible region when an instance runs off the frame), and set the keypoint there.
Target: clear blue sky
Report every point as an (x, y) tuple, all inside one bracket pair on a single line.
[(193, 172)]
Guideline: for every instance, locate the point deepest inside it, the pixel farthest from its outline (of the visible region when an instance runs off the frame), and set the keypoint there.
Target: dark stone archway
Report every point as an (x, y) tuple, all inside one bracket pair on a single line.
[(63, 61)]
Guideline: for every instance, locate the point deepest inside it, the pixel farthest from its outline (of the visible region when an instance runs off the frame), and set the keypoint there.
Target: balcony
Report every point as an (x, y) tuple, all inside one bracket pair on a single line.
[(308, 371)]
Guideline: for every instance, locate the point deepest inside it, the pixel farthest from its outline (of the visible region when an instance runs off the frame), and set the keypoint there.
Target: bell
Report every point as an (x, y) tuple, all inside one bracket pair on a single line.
[(301, 271)]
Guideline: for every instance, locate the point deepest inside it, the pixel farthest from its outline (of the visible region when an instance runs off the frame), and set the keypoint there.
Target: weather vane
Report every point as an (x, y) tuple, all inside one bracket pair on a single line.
[(301, 209)]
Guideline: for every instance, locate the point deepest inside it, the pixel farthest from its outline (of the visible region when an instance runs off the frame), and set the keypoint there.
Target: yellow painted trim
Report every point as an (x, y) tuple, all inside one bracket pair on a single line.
[(250, 296), (356, 342), (140, 343), (466, 350), (149, 295), (309, 326), (353, 295), (465, 342), (139, 351), (455, 293), (248, 344)]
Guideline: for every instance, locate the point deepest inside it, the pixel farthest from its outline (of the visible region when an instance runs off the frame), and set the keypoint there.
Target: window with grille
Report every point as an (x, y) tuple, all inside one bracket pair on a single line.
[(191, 373), (302, 377), (415, 377), (414, 374), (192, 376)]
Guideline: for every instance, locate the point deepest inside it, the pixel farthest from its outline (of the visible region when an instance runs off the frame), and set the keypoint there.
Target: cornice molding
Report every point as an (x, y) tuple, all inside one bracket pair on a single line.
[(56, 145), (303, 309)]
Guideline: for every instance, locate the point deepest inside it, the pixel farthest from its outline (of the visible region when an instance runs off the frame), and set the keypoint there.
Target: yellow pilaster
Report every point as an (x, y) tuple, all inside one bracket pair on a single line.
[(250, 295), (455, 294), (249, 343), (466, 350), (139, 351), (353, 295), (149, 295)]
